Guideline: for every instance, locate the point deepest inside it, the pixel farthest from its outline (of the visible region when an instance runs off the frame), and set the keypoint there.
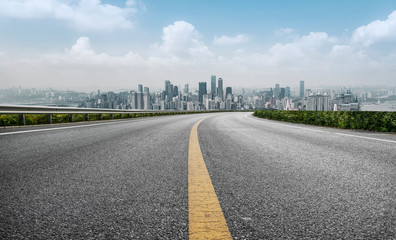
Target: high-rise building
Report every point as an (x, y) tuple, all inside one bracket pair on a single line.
[(146, 90), (319, 102), (175, 91), (202, 91), (228, 90), (186, 88), (140, 88), (228, 104), (301, 89), (140, 103), (282, 93), (287, 92), (169, 92), (167, 83), (134, 100), (220, 91), (146, 101), (213, 84), (277, 91)]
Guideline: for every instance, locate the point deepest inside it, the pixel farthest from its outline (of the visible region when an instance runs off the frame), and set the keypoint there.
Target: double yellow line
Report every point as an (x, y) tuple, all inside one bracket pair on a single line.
[(206, 219)]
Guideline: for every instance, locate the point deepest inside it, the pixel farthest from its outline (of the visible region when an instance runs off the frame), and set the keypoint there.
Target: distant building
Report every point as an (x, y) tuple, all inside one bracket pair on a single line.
[(287, 92), (140, 103), (134, 100), (167, 83), (228, 104), (202, 91), (228, 90), (220, 91), (282, 93), (277, 91), (213, 84), (301, 89), (186, 88), (175, 91), (169, 92), (319, 103), (146, 101)]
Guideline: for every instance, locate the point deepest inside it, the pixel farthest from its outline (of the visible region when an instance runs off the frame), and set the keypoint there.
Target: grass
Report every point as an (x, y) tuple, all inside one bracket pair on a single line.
[(35, 119), (372, 121)]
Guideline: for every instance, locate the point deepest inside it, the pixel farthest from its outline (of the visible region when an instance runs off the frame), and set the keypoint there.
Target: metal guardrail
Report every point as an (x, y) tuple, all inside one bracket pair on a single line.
[(21, 110)]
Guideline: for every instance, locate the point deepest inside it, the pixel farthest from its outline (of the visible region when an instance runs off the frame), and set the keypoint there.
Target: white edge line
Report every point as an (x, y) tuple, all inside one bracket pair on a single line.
[(314, 130), (261, 120), (378, 139), (58, 128)]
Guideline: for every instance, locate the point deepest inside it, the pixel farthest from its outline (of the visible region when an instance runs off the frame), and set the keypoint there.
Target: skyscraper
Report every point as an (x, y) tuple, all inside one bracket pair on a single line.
[(301, 89), (220, 91), (134, 100), (146, 101), (202, 91), (140, 102), (140, 88), (287, 92), (175, 91), (228, 90), (277, 91), (213, 84), (186, 88), (282, 93), (167, 83), (169, 92)]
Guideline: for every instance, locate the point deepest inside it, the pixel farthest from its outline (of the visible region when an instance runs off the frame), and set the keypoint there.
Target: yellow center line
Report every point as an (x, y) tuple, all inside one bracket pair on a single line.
[(206, 219)]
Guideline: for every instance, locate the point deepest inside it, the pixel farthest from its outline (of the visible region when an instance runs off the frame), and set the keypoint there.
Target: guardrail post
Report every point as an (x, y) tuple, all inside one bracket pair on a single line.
[(21, 119), (86, 117), (100, 116), (71, 118), (112, 116), (49, 118)]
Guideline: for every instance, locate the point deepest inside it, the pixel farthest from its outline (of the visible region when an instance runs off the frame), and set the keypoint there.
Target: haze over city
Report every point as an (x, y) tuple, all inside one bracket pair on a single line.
[(111, 45)]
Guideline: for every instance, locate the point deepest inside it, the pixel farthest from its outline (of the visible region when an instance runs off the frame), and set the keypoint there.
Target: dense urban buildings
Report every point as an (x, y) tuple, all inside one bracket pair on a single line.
[(279, 97), (199, 97)]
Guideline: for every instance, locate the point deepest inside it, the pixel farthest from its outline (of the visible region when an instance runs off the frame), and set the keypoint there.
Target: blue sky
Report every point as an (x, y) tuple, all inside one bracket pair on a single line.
[(90, 44)]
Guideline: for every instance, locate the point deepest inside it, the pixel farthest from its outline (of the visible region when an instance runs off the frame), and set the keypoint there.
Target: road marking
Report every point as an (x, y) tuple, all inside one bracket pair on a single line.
[(285, 125), (58, 128), (315, 130), (206, 219), (378, 139)]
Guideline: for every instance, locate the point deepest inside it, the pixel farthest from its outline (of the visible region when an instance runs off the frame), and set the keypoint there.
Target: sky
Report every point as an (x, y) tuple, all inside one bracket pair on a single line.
[(116, 44)]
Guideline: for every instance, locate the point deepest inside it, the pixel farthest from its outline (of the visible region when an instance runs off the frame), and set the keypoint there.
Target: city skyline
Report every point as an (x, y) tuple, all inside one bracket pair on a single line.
[(92, 44), (278, 97)]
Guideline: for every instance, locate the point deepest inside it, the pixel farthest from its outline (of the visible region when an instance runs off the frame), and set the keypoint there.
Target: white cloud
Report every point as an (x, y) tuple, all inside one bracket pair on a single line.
[(181, 40), (81, 53), (285, 31), (226, 40), (183, 56), (79, 14), (376, 31), (82, 46), (304, 50)]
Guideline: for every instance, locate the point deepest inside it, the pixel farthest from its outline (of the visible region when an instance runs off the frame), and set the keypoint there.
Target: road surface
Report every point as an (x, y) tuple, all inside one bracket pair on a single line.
[(128, 179)]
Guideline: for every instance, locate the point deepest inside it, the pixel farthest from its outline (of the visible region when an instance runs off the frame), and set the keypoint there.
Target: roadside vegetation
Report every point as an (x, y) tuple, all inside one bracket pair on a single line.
[(34, 119), (372, 121)]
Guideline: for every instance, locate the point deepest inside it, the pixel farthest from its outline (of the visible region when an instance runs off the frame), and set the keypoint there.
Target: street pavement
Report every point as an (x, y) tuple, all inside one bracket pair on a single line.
[(128, 179)]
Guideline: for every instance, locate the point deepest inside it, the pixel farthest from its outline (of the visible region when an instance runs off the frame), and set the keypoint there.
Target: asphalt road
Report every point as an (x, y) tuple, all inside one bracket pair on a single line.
[(128, 179)]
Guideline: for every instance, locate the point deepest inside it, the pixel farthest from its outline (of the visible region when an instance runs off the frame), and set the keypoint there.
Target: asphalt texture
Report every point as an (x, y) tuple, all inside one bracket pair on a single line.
[(128, 179)]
